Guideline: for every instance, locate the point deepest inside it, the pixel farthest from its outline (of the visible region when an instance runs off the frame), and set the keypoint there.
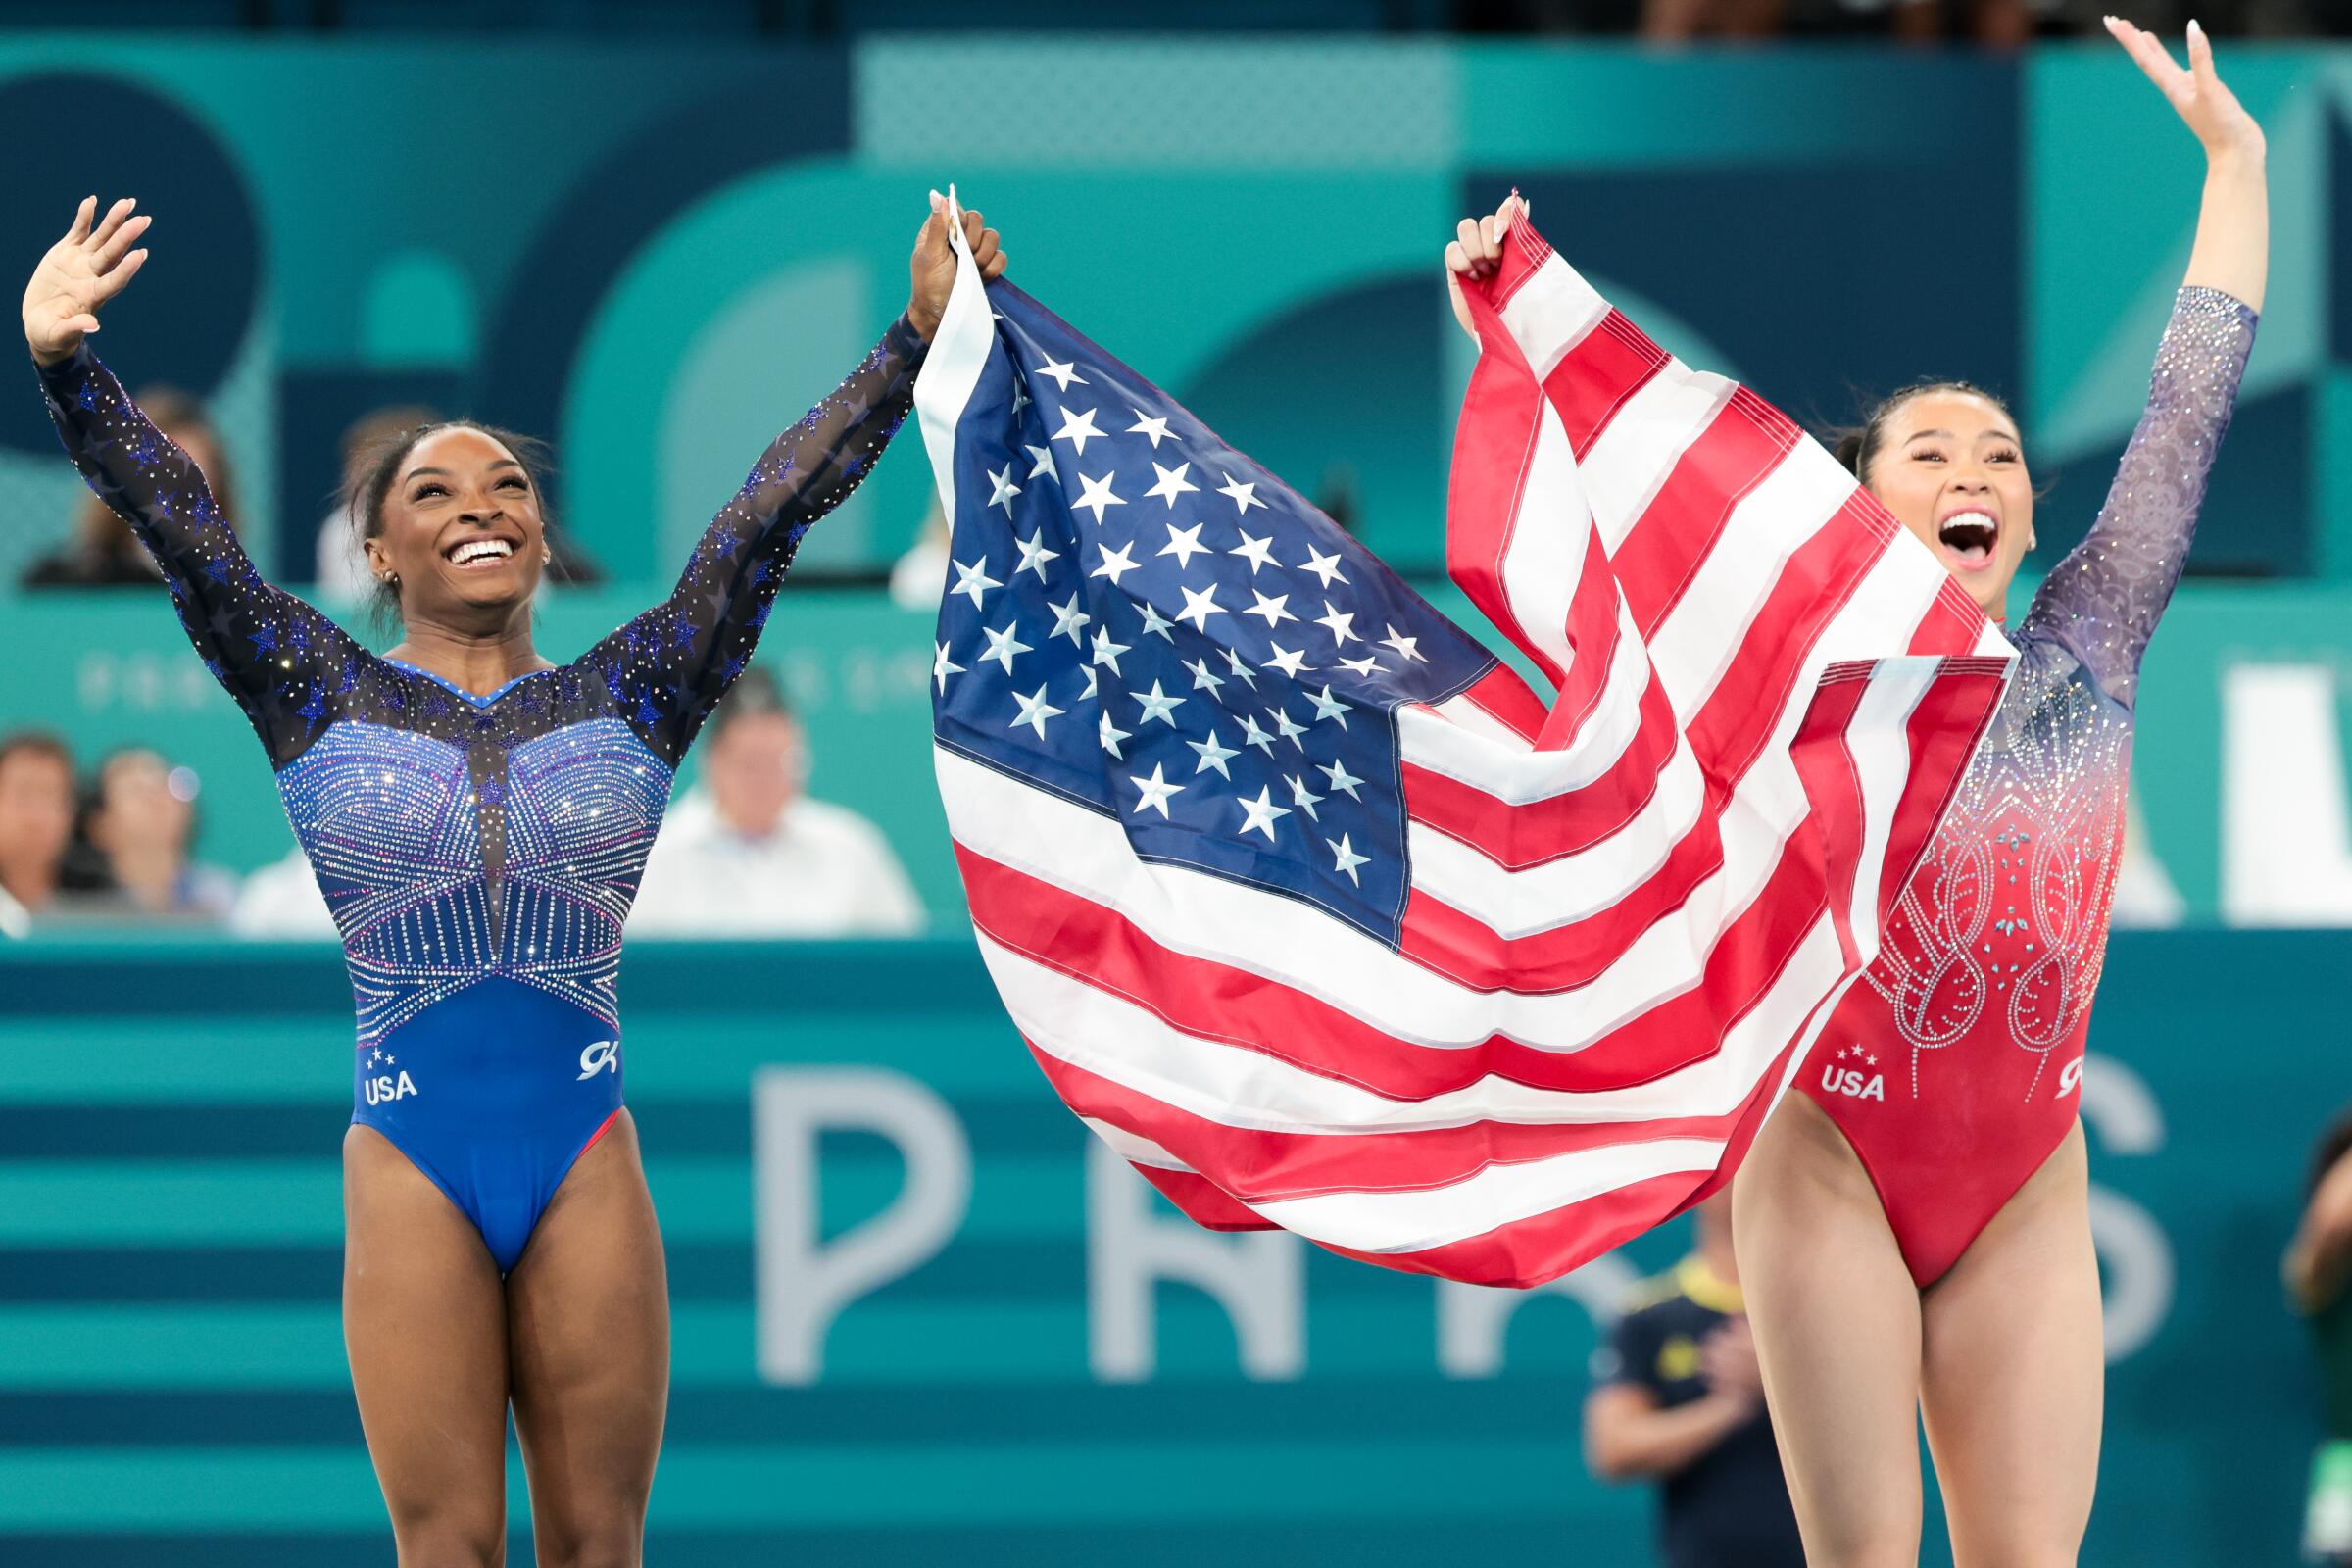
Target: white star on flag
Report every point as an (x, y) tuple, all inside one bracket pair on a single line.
[(1342, 782), (1156, 429), (1271, 609), (1305, 798), (1253, 735), (1043, 463), (1212, 754), (1064, 372), (1110, 735), (1255, 550), (1329, 707), (1407, 645), (1340, 622), (1198, 604), (1202, 679), (1290, 661), (1067, 619), (1077, 428), (1035, 554), (1156, 703), (1154, 625), (1348, 858), (974, 580), (1156, 790), (1107, 652), (1262, 813), (1324, 566), (1035, 710), (1003, 645), (1006, 489), (1115, 563), (1095, 493), (1184, 544), (1245, 496), (1172, 483), (942, 668)]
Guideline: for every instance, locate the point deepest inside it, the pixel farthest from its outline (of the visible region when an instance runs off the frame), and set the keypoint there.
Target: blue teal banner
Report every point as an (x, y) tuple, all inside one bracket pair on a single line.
[(653, 253), (918, 1321)]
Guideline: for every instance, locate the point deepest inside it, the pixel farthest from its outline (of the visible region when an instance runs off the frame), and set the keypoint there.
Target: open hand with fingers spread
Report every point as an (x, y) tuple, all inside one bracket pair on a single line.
[(82, 271), (2197, 94), (933, 264)]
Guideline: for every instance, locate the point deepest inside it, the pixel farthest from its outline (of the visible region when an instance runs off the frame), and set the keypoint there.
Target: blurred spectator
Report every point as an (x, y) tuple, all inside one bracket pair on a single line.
[(1678, 1397), (919, 575), (140, 824), (103, 552), (1679, 20), (342, 572), (36, 823), (282, 902), (2319, 1265), (2003, 23), (747, 855)]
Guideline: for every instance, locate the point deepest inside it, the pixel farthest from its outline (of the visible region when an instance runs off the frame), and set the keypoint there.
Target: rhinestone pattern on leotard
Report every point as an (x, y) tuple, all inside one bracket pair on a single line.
[(455, 837), (2007, 914)]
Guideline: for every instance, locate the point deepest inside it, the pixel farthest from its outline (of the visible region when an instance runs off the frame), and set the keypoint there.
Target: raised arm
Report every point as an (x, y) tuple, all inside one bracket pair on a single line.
[(270, 650), (2104, 599), (671, 665)]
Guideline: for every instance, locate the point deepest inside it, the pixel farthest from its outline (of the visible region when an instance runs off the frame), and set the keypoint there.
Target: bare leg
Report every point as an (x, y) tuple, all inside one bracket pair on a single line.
[(588, 1340), (2014, 1374), (425, 1323), (1835, 1316)]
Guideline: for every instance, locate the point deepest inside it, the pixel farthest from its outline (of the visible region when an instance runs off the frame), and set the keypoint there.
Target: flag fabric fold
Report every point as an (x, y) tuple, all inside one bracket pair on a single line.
[(1317, 912)]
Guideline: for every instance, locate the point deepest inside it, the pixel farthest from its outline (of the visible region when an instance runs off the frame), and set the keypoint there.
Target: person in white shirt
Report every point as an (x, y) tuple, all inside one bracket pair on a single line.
[(747, 854)]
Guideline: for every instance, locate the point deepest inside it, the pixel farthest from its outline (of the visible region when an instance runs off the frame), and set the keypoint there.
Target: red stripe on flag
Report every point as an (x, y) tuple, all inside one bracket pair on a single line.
[(1074, 936), (1494, 451), (1677, 531), (1596, 378), (1531, 1252), (1256, 1166)]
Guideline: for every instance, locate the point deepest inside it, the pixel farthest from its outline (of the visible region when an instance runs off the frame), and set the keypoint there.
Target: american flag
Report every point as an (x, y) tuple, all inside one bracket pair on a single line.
[(1319, 913)]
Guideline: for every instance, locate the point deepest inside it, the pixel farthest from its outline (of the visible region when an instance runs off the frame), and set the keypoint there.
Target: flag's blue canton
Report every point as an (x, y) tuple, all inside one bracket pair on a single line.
[(1145, 621)]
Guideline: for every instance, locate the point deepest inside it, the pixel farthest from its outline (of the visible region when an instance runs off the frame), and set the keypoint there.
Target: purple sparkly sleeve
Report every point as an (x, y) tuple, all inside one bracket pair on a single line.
[(274, 654), (669, 667), (2102, 602)]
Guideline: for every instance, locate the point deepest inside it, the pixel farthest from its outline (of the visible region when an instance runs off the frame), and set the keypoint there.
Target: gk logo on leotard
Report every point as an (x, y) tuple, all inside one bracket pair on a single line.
[(602, 1057), (2071, 1078)]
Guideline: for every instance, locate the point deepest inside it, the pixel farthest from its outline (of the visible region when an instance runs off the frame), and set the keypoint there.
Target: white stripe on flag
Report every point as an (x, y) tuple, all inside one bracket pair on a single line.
[(1233, 1084), (1498, 1196)]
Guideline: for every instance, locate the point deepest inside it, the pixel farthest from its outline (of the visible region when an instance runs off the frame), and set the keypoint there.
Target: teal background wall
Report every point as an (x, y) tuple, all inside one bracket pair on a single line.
[(655, 253), (173, 1388)]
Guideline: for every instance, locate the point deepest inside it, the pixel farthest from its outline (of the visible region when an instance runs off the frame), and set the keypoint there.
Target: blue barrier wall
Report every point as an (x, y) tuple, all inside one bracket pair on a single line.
[(1040, 1386)]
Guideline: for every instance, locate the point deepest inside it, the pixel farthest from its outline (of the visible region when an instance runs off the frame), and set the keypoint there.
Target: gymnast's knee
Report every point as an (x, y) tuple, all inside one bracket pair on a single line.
[(616, 1542), (444, 1545)]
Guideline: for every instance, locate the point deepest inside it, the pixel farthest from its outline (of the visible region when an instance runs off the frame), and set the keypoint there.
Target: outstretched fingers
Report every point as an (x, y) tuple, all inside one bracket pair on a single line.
[(82, 215), (113, 282), (119, 244), (116, 217)]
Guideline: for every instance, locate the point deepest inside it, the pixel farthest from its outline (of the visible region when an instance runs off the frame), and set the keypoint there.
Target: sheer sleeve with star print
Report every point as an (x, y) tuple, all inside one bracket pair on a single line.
[(2102, 602), (668, 667), (275, 654)]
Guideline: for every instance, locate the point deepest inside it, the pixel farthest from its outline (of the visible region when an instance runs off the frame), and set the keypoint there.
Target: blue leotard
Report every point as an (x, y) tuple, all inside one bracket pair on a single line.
[(480, 853)]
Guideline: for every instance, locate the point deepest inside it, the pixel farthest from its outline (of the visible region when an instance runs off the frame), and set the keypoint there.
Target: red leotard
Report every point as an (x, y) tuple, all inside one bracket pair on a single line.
[(1955, 1066)]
